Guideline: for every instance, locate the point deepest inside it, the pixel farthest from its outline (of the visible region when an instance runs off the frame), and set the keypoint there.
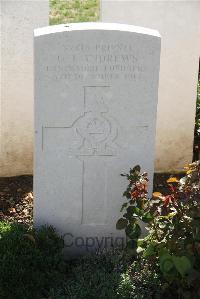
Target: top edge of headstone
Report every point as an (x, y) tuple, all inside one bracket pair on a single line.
[(94, 26)]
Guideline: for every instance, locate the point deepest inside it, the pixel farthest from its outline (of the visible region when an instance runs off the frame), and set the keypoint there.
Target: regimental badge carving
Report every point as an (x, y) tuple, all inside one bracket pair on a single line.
[(96, 127)]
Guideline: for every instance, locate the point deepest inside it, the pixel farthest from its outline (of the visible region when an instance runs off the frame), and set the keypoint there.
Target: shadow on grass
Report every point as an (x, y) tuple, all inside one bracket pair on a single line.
[(31, 262)]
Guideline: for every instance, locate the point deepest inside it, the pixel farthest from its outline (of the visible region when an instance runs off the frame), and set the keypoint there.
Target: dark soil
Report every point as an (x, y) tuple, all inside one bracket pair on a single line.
[(16, 199), (16, 196)]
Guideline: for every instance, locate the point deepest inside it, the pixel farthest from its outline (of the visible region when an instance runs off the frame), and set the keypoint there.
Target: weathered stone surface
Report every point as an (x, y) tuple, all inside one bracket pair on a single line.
[(18, 19), (95, 116), (179, 25)]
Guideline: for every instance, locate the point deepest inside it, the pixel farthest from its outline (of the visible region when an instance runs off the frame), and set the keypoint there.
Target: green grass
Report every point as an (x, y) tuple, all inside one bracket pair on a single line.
[(73, 11), (31, 262), (32, 267)]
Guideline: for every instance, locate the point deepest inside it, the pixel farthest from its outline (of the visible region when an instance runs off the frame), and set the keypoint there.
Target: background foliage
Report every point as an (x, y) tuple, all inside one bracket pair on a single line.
[(72, 11)]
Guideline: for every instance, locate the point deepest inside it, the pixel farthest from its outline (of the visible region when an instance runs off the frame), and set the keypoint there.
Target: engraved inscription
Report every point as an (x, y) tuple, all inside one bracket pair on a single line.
[(98, 62)]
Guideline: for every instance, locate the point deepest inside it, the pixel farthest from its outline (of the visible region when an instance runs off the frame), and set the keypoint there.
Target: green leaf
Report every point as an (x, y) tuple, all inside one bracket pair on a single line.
[(124, 206), (127, 194), (163, 251), (130, 210), (137, 168), (166, 263), (121, 223), (150, 250), (182, 264), (129, 231), (129, 217), (147, 217), (138, 211), (133, 231), (137, 230)]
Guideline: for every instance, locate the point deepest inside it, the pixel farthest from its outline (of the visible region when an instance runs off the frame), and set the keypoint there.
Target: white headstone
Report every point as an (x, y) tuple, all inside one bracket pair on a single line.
[(95, 115), (178, 22), (18, 19)]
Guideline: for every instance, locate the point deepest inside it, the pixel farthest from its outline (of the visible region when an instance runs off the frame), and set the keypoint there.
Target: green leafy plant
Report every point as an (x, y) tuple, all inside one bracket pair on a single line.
[(136, 207), (173, 222), (31, 261)]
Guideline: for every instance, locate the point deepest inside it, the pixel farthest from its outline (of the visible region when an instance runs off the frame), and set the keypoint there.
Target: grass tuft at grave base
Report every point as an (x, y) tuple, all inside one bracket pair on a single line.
[(73, 11), (32, 267), (31, 262)]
